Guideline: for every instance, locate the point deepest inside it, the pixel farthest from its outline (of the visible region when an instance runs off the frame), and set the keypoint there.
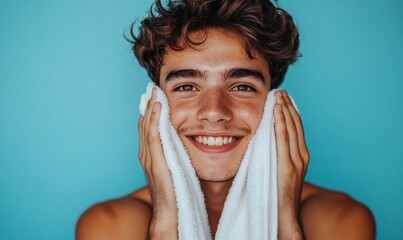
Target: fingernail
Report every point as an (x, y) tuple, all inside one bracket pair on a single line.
[(285, 93), (155, 107), (280, 108), (278, 96)]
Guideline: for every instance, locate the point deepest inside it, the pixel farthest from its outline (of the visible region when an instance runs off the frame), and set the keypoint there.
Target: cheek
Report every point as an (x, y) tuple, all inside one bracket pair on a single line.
[(251, 113), (180, 111)]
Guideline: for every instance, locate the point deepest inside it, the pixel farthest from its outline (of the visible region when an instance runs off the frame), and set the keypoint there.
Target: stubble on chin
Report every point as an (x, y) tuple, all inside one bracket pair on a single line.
[(215, 175)]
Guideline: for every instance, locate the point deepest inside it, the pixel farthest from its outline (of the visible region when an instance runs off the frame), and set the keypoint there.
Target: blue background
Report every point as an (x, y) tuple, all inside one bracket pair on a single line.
[(70, 87)]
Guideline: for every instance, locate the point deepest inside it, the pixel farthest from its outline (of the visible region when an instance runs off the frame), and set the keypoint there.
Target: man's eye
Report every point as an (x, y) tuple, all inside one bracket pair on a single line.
[(243, 88), (185, 88)]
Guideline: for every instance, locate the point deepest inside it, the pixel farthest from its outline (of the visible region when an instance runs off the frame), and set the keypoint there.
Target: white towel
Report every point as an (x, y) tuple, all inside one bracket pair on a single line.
[(250, 210)]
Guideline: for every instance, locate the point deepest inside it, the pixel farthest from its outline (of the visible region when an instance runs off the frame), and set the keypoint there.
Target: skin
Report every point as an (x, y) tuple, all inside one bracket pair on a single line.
[(217, 90)]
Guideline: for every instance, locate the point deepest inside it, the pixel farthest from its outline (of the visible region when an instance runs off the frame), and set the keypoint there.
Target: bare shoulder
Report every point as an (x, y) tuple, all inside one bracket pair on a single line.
[(327, 214), (123, 218)]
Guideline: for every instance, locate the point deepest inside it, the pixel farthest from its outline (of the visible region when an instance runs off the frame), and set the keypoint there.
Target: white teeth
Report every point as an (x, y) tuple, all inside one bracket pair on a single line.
[(211, 141), (218, 141), (214, 141)]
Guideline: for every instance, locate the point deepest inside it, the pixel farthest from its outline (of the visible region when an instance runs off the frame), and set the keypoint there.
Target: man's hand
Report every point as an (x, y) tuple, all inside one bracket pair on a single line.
[(293, 159), (164, 220)]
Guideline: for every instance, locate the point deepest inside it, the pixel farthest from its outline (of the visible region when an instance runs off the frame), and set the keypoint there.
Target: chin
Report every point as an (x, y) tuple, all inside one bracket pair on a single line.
[(215, 174)]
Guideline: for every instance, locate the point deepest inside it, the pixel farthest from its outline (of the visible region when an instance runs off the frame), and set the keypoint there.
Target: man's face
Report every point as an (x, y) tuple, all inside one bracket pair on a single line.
[(216, 95)]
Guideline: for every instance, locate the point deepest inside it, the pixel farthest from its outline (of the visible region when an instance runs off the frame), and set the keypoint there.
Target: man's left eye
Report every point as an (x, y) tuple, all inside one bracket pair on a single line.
[(185, 88), (243, 88)]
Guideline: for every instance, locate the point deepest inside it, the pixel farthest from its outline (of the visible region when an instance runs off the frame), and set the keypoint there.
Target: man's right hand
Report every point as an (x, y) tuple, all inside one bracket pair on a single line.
[(165, 214)]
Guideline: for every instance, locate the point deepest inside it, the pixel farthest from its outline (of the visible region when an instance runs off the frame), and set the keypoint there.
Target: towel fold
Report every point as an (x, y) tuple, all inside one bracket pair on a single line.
[(250, 210)]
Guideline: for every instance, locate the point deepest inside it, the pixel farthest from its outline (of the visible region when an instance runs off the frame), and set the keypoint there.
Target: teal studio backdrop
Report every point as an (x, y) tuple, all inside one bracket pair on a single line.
[(70, 88)]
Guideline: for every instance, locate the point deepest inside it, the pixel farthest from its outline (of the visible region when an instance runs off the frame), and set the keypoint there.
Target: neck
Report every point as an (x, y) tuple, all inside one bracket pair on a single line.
[(215, 194)]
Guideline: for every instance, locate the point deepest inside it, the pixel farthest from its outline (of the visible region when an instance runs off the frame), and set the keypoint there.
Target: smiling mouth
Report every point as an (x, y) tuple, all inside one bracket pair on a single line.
[(215, 141)]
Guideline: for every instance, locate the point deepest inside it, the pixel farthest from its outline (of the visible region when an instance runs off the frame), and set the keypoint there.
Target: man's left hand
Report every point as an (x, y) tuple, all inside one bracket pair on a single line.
[(293, 159)]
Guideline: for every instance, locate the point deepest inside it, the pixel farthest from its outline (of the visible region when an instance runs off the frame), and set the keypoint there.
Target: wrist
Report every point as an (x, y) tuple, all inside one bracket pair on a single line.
[(291, 234), (289, 227), (163, 225), (162, 230)]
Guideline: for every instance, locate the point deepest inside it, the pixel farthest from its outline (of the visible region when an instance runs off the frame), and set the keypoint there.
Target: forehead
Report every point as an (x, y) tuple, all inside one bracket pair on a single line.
[(221, 50)]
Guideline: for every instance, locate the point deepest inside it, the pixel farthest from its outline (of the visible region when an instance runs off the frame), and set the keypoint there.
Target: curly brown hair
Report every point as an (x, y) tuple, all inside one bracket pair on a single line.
[(261, 25)]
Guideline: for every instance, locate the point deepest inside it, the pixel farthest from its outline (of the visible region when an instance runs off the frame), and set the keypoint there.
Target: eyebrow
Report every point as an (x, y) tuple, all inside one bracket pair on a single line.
[(244, 72), (185, 73), (230, 73)]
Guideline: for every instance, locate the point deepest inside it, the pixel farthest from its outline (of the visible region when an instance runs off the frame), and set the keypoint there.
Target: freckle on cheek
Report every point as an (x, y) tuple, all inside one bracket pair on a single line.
[(253, 109), (179, 112), (253, 112)]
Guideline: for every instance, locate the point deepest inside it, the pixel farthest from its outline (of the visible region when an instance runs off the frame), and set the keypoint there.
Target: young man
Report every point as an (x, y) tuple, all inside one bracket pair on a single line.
[(216, 61)]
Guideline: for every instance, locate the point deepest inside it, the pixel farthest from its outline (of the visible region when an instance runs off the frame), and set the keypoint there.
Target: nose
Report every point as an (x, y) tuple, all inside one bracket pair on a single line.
[(214, 107)]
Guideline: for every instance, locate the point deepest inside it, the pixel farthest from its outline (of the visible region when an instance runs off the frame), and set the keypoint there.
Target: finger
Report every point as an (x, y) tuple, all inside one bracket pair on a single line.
[(150, 105), (282, 141), (291, 130), (147, 127), (143, 147), (140, 133), (303, 149), (153, 124), (154, 142)]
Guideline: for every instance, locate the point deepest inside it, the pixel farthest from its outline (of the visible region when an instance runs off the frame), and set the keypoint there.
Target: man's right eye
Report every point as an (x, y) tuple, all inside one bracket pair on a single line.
[(185, 88)]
